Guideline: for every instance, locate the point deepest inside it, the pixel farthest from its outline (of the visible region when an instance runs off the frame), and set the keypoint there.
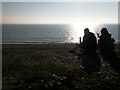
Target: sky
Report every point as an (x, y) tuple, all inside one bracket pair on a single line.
[(60, 0), (59, 12)]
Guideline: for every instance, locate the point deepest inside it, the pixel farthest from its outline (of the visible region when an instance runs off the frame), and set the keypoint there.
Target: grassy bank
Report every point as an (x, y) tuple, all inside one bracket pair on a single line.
[(50, 67)]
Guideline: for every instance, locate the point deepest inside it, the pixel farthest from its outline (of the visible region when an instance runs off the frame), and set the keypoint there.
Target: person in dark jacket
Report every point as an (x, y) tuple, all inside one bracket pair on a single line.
[(89, 58), (89, 44), (89, 41), (107, 49), (106, 42)]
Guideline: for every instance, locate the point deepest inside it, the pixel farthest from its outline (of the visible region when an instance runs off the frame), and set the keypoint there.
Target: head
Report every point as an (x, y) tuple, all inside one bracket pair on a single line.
[(104, 31), (86, 31)]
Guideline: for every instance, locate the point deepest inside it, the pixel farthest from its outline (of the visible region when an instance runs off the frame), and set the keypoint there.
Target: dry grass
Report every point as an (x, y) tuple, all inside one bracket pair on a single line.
[(46, 66)]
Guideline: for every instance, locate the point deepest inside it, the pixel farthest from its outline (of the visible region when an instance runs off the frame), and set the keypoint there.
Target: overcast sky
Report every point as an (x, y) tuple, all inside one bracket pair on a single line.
[(59, 12)]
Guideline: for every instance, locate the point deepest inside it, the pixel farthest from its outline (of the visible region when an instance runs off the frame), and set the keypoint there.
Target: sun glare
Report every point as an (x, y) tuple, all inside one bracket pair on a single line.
[(78, 30)]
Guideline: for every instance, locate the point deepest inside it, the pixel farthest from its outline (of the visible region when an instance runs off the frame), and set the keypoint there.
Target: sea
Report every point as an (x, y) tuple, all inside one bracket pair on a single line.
[(50, 33)]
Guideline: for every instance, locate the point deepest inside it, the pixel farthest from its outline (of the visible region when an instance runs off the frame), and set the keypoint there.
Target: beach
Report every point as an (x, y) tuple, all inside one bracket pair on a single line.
[(44, 66)]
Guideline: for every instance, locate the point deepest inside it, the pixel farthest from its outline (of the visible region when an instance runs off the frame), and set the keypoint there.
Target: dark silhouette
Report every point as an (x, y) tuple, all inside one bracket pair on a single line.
[(107, 49), (105, 42), (89, 42), (89, 58)]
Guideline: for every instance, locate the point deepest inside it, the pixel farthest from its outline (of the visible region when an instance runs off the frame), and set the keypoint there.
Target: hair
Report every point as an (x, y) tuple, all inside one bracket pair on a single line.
[(86, 30), (104, 31)]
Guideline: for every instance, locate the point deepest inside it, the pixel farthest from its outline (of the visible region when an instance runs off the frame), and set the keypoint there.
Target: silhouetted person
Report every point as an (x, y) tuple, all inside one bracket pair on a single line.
[(107, 49), (106, 43), (90, 60), (89, 41)]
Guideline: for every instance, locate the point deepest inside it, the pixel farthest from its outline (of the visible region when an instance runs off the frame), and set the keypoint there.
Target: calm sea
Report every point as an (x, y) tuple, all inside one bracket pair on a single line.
[(45, 33)]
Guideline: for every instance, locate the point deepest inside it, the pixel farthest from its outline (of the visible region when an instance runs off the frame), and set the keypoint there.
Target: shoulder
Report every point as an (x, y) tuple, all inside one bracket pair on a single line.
[(92, 34)]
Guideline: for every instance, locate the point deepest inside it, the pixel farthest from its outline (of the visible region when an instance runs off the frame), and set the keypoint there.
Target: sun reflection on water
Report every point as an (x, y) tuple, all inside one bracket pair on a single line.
[(77, 30)]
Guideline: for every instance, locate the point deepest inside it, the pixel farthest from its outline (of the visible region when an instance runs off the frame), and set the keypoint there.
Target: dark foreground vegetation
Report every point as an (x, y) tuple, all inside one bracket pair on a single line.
[(51, 67)]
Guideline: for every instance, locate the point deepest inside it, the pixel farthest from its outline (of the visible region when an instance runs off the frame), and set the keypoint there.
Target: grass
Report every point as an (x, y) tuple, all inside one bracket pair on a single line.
[(51, 67)]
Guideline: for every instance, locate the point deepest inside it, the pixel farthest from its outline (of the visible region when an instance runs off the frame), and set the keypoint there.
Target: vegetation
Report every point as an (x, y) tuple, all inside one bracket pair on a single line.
[(51, 67)]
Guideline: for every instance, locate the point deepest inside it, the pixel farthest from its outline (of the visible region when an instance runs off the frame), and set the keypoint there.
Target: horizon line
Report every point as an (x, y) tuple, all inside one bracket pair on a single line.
[(50, 23)]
